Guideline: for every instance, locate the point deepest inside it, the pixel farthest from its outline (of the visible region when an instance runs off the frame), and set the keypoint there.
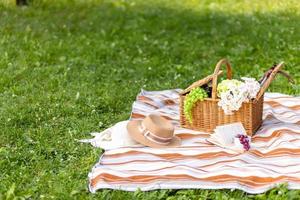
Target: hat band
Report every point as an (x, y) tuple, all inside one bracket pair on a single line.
[(154, 138)]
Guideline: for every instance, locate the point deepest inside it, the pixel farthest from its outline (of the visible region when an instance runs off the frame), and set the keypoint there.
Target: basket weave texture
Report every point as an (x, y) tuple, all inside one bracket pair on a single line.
[(207, 114)]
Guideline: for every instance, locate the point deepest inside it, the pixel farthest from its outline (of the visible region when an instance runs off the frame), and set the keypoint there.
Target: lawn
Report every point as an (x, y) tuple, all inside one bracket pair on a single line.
[(70, 67)]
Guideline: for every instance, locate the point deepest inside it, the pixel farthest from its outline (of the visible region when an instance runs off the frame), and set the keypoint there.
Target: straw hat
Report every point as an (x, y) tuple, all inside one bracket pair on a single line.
[(153, 131)]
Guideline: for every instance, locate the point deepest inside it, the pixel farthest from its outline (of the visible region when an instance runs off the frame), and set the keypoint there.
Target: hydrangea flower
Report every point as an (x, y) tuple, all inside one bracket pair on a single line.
[(233, 93), (225, 85), (251, 86)]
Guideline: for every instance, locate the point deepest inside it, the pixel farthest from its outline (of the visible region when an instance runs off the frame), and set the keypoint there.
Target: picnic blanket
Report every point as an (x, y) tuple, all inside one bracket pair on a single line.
[(274, 156)]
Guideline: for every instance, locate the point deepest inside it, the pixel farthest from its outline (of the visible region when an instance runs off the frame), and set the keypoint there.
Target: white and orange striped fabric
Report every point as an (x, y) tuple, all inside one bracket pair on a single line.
[(274, 157)]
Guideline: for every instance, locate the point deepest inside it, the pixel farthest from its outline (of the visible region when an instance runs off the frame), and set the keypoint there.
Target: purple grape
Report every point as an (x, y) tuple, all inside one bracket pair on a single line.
[(244, 140)]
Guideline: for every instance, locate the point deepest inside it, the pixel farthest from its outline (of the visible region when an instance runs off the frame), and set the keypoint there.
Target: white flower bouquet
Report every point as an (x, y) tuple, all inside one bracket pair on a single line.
[(233, 93)]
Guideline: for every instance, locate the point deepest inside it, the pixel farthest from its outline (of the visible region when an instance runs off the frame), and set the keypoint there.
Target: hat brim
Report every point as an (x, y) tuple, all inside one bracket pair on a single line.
[(135, 133)]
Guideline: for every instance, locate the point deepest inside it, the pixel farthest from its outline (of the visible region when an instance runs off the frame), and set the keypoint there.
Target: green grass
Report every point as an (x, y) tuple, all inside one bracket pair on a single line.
[(72, 67)]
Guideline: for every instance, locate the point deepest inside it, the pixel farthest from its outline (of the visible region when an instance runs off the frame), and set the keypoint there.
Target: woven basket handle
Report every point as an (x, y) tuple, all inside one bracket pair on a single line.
[(215, 75), (267, 83), (199, 83)]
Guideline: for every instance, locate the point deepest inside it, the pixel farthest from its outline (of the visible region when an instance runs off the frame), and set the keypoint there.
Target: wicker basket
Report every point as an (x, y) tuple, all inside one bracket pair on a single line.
[(207, 114)]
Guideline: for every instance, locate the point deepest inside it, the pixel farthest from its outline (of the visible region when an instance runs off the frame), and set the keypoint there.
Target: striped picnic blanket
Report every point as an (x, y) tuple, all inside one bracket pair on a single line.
[(274, 156)]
